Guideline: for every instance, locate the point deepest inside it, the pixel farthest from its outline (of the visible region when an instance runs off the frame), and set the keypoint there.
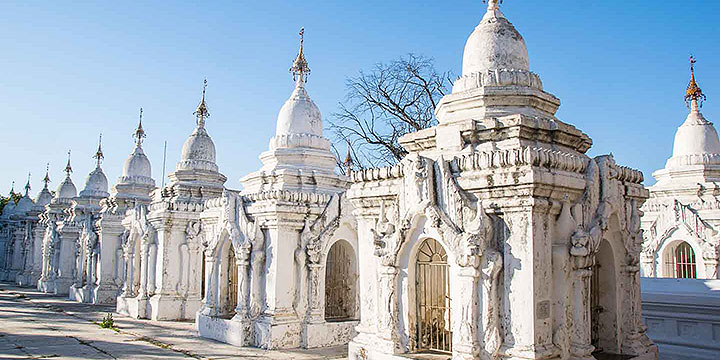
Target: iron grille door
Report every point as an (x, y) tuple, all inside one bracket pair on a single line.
[(433, 298)]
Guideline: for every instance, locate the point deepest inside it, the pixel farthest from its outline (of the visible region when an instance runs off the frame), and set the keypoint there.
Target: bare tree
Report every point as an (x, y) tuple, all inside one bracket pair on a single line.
[(381, 106)]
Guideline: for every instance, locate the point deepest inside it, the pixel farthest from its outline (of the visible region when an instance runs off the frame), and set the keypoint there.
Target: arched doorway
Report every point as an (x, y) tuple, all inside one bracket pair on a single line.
[(680, 261), (603, 301), (340, 280), (432, 298)]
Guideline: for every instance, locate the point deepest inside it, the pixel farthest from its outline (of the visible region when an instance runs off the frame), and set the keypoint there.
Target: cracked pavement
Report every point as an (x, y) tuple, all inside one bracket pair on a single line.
[(34, 325)]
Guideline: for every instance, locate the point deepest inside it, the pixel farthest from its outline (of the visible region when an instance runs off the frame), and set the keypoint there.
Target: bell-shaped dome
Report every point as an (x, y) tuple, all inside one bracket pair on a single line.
[(96, 184), (299, 115), (43, 197), (198, 152), (199, 146), (495, 44), (66, 189), (9, 209), (696, 136), (137, 164), (24, 205)]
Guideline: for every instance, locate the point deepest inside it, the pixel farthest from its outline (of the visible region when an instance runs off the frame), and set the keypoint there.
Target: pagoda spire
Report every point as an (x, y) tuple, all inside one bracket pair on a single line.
[(202, 112), (348, 160), (139, 133), (46, 179), (99, 154), (300, 69), (27, 186), (68, 168), (694, 96), (12, 188)]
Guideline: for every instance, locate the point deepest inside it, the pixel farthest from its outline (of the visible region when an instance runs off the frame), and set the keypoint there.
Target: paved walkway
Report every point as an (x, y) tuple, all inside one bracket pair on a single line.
[(34, 325)]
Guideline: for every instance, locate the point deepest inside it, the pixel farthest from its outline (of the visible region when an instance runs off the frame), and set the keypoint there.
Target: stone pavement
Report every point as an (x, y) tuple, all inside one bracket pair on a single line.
[(34, 325)]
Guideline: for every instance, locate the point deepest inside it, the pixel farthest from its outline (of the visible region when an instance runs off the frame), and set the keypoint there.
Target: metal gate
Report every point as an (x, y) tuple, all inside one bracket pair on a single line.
[(680, 262), (232, 281), (433, 298)]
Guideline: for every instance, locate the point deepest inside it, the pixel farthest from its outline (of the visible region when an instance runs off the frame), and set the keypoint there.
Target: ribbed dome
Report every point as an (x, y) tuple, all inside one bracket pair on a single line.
[(299, 115), (66, 189), (137, 164), (96, 184), (696, 136), (495, 44), (43, 197), (24, 205)]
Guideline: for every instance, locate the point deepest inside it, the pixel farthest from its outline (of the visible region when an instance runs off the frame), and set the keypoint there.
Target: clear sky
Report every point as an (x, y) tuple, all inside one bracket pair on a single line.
[(71, 70)]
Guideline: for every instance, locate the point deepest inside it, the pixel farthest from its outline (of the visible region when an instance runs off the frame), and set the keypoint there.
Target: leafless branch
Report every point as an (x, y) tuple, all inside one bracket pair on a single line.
[(382, 105)]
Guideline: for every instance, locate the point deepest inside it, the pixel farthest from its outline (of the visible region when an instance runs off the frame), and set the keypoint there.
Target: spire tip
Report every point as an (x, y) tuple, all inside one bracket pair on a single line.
[(300, 69), (694, 96), (202, 112), (139, 133), (99, 154)]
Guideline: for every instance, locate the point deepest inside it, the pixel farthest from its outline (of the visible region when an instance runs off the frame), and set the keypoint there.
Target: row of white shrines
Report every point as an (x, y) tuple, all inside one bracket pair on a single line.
[(493, 238)]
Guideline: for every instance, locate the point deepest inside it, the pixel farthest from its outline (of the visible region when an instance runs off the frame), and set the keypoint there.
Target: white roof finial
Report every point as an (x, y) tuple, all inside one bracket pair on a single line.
[(493, 4), (493, 9)]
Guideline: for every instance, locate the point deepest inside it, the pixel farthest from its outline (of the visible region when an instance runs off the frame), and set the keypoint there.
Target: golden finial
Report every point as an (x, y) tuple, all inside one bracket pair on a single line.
[(693, 95), (202, 112), (68, 168), (27, 186), (99, 154), (300, 69), (46, 179), (139, 133)]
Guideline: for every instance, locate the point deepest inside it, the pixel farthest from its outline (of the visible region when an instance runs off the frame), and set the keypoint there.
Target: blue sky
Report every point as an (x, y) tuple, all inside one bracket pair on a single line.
[(70, 72)]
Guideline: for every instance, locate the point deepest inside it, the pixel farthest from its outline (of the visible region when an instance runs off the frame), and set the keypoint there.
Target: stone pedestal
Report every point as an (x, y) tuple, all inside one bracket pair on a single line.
[(230, 331)]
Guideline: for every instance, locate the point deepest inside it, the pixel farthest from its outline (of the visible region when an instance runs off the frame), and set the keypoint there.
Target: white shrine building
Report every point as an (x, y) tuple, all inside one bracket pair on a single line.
[(58, 255), (682, 216), (102, 242), (21, 237), (496, 236), (162, 249), (280, 255)]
